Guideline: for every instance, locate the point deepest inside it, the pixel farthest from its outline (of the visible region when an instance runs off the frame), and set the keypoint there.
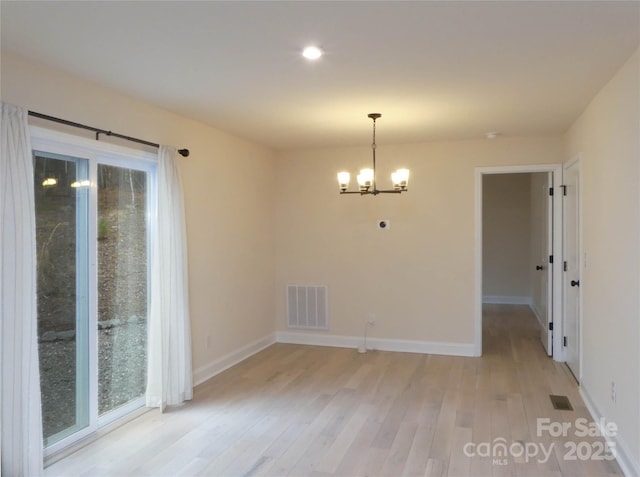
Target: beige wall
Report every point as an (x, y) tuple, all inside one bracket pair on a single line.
[(417, 276), (606, 136), (506, 236), (228, 195)]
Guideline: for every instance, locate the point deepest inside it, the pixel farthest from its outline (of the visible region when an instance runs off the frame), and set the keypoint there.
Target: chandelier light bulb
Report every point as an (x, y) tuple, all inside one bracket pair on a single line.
[(367, 176), (400, 179), (365, 179), (343, 180)]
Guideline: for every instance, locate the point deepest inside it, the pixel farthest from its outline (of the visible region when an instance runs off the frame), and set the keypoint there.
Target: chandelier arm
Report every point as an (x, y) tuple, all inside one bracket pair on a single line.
[(372, 192)]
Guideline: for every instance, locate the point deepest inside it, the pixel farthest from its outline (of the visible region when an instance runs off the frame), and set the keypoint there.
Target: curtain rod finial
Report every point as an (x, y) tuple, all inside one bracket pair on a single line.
[(184, 152)]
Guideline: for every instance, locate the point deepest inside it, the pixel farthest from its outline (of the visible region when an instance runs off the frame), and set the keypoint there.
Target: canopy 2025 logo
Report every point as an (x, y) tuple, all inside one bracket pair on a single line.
[(594, 446)]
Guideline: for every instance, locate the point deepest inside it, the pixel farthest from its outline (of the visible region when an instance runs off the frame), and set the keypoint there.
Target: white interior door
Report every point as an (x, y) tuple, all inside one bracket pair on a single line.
[(571, 276), (543, 278)]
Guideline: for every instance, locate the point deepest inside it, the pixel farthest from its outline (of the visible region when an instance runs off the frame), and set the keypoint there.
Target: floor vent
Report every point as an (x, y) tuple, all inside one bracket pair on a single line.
[(561, 403), (307, 307)]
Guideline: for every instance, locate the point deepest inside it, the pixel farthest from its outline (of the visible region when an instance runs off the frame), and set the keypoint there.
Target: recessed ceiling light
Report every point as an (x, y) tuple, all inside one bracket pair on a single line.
[(492, 135), (312, 52)]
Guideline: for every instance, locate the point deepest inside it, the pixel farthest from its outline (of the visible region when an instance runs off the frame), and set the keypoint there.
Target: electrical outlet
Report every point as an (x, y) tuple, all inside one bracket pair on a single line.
[(372, 320), (613, 391)]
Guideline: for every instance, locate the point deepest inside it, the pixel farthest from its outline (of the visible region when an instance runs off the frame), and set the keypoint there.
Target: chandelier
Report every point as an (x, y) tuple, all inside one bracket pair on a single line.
[(367, 177)]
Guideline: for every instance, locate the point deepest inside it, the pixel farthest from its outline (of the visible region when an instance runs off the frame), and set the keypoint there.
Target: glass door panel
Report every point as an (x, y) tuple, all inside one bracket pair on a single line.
[(62, 218), (122, 286)]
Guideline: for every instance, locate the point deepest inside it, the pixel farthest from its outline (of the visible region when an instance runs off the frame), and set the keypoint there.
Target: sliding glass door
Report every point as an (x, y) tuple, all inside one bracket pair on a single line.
[(62, 231), (95, 210)]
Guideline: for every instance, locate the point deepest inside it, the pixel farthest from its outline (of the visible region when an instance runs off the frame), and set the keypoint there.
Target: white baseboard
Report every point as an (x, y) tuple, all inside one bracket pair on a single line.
[(317, 339), (623, 456), (507, 300), (208, 371), (536, 311), (382, 344)]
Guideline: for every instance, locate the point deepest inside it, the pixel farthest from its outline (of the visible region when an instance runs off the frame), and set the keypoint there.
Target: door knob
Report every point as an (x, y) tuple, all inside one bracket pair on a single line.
[(539, 267), (575, 283)]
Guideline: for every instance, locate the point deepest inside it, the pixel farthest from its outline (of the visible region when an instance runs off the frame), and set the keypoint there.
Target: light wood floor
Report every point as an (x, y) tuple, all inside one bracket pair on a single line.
[(317, 411)]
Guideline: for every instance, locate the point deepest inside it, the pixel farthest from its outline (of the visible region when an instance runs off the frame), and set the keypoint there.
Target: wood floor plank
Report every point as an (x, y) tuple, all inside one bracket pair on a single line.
[(434, 468), (317, 411), (459, 463), (399, 451), (339, 447), (416, 464), (357, 452)]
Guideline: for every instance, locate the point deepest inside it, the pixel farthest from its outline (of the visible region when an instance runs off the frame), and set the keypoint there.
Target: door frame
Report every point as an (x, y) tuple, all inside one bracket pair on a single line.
[(557, 309)]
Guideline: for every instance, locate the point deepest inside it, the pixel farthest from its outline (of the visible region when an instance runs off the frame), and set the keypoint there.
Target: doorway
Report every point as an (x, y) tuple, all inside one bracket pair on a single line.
[(543, 286)]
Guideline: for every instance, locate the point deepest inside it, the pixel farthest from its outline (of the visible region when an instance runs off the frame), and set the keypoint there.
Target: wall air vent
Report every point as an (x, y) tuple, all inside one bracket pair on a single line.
[(307, 307)]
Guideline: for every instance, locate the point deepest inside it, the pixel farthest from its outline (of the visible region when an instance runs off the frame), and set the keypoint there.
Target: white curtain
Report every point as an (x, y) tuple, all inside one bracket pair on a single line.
[(169, 379), (21, 413)]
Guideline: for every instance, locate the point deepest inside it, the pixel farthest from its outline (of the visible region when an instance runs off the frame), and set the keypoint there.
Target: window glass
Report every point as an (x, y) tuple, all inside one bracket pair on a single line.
[(122, 285)]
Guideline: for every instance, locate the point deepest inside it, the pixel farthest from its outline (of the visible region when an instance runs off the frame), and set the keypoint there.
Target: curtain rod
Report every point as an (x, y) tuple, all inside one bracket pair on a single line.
[(182, 152)]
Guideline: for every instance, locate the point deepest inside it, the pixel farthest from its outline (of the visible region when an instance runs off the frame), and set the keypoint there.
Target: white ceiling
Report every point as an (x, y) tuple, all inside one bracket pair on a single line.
[(435, 70)]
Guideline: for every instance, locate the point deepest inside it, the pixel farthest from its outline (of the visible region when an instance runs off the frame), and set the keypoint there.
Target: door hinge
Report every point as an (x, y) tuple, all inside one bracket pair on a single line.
[(550, 258), (550, 190), (565, 267), (564, 341), (564, 189), (551, 326)]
